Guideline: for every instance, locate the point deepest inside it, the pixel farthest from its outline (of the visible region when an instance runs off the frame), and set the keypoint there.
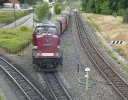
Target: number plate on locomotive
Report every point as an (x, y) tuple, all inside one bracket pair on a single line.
[(47, 44)]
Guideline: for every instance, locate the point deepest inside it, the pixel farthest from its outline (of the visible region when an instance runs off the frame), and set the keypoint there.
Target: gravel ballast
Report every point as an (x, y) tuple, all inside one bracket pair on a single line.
[(99, 87)]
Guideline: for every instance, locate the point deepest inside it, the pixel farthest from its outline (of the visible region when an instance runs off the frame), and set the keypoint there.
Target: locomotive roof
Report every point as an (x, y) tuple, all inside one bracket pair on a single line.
[(55, 22), (41, 24)]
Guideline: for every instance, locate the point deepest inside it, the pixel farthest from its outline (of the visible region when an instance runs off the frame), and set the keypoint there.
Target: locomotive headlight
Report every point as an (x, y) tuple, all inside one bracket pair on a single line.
[(58, 47), (39, 54), (55, 54)]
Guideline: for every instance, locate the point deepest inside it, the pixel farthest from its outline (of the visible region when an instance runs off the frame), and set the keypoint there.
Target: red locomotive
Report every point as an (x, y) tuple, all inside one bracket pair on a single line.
[(46, 42)]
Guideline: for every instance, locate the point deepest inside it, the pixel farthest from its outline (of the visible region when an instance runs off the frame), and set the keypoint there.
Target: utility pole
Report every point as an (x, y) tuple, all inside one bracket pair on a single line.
[(33, 13), (14, 14)]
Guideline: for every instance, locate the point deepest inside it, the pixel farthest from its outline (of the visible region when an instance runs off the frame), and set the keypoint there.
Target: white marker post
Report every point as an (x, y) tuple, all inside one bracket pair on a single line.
[(87, 76), (118, 42)]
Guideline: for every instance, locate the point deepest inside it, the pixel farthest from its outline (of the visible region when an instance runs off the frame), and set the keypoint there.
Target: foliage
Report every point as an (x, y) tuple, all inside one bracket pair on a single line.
[(8, 17), (6, 20), (120, 12), (98, 6), (118, 49), (105, 8), (42, 12), (1, 2), (114, 15), (113, 56), (15, 39), (57, 8), (29, 1), (125, 16), (23, 28)]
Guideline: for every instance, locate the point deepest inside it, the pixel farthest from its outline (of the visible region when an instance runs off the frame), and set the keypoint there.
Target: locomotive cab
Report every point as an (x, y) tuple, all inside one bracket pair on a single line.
[(47, 55)]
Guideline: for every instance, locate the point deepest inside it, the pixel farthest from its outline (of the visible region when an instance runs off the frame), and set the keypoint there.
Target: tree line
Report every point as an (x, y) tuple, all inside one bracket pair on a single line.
[(106, 7)]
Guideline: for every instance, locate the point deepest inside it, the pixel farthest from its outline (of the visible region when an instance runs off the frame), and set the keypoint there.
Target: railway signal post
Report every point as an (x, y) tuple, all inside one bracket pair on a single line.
[(87, 76), (118, 42)]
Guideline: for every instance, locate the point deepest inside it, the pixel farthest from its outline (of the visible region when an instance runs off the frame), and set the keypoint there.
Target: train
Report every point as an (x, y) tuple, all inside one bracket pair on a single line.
[(46, 52)]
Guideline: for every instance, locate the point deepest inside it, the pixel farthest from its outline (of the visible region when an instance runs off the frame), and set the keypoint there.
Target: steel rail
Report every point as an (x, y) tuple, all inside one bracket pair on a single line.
[(56, 87), (21, 81), (82, 41)]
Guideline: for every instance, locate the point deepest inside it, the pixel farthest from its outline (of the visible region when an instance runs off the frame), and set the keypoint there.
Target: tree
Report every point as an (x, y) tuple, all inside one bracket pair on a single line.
[(30, 2), (57, 8), (91, 6), (42, 12), (1, 2), (98, 3), (125, 16), (105, 8), (21, 1)]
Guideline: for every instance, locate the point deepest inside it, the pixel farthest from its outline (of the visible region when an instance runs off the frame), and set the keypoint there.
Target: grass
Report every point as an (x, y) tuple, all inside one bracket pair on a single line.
[(113, 56), (8, 17), (15, 39), (125, 69), (119, 62), (1, 97), (111, 29)]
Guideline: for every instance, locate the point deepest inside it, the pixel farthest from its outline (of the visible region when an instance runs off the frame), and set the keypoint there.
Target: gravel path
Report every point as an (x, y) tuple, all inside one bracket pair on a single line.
[(99, 88)]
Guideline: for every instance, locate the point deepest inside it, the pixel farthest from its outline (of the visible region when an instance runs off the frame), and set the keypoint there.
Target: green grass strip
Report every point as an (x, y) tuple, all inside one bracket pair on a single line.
[(15, 39), (125, 69)]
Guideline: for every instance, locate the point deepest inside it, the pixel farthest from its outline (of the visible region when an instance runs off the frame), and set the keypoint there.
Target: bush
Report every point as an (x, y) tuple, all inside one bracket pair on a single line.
[(6, 20), (114, 15), (118, 49), (125, 16), (23, 28), (120, 12)]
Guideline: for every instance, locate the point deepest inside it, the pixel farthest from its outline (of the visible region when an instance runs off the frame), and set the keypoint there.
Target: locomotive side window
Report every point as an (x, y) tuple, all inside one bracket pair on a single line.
[(64, 23), (59, 29)]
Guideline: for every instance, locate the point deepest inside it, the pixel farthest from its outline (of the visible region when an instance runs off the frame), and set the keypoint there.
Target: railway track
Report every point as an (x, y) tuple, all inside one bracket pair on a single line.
[(108, 72), (55, 86), (21, 81)]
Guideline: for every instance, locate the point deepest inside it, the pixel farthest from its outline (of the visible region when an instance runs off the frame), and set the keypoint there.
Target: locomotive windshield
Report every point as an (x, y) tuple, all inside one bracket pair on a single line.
[(44, 29)]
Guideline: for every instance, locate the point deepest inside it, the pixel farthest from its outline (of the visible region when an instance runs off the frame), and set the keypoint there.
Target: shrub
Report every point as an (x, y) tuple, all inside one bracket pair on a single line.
[(23, 28), (118, 49), (125, 16), (121, 12), (6, 20), (114, 15)]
